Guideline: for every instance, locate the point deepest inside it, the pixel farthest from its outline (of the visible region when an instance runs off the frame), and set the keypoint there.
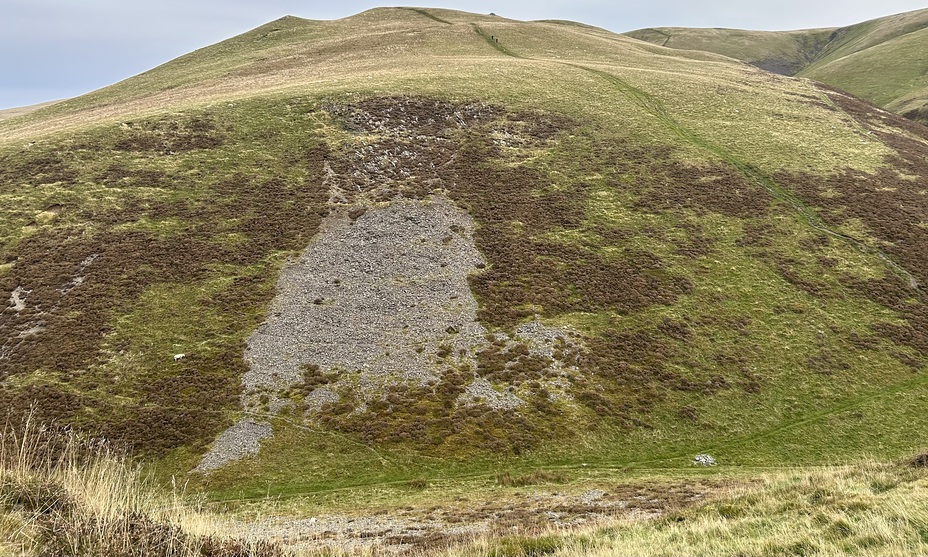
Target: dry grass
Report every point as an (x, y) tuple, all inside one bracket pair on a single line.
[(22, 110), (402, 51), (866, 509), (61, 495), (660, 214), (783, 52)]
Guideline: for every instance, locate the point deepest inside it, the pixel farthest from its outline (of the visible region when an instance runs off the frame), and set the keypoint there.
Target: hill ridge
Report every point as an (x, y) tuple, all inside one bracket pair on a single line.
[(867, 59)]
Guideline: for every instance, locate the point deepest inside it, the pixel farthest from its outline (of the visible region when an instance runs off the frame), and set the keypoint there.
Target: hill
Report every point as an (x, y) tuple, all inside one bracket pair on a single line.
[(418, 245), (19, 111), (881, 60)]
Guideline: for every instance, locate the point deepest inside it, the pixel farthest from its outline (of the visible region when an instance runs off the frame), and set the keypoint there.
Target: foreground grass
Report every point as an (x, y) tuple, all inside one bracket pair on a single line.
[(62, 496), (864, 509)]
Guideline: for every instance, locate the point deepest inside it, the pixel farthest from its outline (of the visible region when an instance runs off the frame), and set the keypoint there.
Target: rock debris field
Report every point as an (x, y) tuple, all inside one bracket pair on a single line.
[(374, 299), (374, 296)]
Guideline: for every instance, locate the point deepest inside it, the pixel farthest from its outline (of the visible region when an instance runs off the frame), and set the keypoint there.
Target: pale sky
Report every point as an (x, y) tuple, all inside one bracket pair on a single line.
[(52, 49)]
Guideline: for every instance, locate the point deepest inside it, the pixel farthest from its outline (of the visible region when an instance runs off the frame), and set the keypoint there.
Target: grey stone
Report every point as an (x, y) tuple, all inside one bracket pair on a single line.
[(235, 443)]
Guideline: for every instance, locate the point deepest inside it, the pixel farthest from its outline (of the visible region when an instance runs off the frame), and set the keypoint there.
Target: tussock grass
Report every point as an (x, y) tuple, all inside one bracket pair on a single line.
[(537, 477), (869, 508), (61, 495)]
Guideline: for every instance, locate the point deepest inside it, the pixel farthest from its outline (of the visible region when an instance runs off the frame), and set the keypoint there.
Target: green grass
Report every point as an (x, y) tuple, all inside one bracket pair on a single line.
[(727, 242), (879, 60), (782, 52), (894, 86), (494, 42), (431, 16)]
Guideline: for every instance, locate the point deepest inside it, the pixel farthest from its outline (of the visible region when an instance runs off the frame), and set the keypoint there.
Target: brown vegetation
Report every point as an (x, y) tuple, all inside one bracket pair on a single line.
[(454, 147), (546, 257), (169, 136), (720, 190), (892, 204), (80, 282)]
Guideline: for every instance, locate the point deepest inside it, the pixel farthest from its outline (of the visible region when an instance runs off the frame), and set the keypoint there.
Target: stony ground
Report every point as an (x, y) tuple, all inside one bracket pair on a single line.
[(532, 509), (379, 298), (374, 295)]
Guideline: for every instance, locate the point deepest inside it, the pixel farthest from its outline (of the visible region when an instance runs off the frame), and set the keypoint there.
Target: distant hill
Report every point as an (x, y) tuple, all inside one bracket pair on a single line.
[(882, 60), (420, 243), (19, 111)]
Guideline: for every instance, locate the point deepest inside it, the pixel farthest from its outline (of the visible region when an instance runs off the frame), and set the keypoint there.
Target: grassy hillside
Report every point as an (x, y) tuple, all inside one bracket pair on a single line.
[(865, 509), (19, 111), (785, 53), (61, 494), (676, 254), (881, 60), (900, 87)]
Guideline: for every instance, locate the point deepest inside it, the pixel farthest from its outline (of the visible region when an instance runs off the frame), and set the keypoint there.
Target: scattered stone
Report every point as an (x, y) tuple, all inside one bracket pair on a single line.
[(381, 297), (592, 497), (33, 330), (237, 442), (704, 460), (30, 322), (482, 390), (79, 277), (320, 396), (385, 279), (385, 291), (18, 298), (432, 527)]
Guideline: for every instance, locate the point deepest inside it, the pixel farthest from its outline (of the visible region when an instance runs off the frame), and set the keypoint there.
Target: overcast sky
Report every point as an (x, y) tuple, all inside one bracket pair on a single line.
[(52, 49)]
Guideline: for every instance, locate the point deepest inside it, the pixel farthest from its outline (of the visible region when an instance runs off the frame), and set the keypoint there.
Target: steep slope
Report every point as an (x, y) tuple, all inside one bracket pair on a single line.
[(881, 60), (418, 243), (901, 87), (781, 52)]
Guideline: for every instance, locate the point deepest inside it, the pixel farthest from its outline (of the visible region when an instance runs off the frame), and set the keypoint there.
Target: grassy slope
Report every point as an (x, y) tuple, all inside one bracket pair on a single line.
[(880, 60), (19, 111), (865, 509), (901, 87), (861, 36), (196, 179), (780, 52)]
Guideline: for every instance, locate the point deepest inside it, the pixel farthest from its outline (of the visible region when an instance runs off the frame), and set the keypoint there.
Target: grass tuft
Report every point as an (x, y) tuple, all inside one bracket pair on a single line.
[(537, 477), (810, 511), (65, 496)]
